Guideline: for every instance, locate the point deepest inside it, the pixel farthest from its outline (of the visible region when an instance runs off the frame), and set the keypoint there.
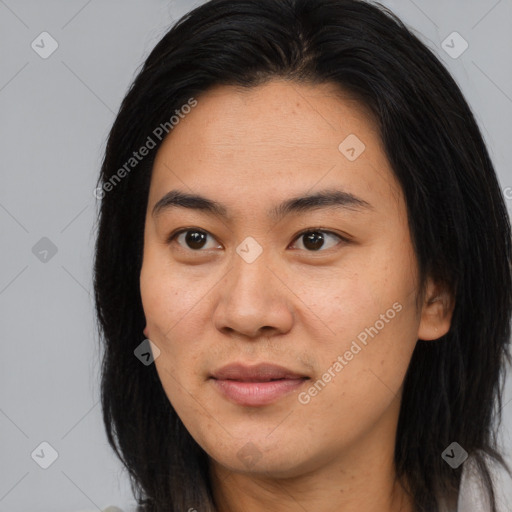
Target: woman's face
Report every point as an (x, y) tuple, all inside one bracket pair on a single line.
[(324, 287)]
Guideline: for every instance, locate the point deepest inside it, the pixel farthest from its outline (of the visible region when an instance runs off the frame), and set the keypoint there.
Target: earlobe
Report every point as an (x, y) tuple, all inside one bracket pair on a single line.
[(436, 313), (146, 332)]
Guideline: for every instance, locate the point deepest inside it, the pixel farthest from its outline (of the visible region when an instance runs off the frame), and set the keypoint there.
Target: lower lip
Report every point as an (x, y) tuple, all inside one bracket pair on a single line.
[(257, 393)]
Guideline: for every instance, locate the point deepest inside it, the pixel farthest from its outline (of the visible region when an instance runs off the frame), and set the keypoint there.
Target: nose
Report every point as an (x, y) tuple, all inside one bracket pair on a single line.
[(254, 300)]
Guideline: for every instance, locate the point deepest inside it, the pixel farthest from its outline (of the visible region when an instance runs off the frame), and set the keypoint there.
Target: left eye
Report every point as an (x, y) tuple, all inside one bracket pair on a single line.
[(313, 240)]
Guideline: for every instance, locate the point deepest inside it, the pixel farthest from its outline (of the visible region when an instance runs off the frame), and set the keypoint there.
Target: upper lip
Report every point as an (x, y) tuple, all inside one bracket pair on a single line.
[(256, 373)]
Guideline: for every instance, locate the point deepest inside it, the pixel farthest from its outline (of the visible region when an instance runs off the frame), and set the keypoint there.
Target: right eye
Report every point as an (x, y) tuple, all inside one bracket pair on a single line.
[(191, 238)]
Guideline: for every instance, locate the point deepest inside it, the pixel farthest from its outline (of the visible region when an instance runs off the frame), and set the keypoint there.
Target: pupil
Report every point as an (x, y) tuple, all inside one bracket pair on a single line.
[(195, 239), (315, 240)]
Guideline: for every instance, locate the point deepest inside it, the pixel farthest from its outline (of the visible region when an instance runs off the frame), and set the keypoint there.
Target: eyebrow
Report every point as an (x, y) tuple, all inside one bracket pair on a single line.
[(330, 198)]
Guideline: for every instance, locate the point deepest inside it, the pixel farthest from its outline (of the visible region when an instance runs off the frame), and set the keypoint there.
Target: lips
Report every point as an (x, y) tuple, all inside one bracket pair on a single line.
[(263, 372), (257, 385)]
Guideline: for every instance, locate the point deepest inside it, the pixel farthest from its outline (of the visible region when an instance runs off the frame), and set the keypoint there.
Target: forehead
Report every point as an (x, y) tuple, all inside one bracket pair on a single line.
[(277, 114), (276, 137)]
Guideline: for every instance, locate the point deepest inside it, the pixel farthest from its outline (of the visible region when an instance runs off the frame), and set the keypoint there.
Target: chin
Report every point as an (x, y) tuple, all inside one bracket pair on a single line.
[(266, 461)]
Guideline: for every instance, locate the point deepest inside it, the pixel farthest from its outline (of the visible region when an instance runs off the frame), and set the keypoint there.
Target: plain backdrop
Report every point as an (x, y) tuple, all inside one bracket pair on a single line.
[(55, 114)]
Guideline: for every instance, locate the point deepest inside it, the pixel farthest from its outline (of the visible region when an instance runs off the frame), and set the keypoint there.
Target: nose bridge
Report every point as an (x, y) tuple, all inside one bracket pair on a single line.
[(250, 277), (251, 297)]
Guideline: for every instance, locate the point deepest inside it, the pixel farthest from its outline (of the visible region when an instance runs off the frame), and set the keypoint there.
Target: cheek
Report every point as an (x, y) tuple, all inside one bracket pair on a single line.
[(167, 294), (377, 354), (360, 380), (350, 299), (172, 305), (369, 317)]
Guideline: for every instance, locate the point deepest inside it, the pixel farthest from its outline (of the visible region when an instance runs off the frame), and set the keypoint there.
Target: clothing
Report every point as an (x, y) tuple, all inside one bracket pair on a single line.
[(472, 494)]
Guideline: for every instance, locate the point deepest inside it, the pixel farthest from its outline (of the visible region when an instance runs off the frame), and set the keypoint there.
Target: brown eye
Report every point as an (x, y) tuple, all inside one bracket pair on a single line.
[(314, 240), (194, 239)]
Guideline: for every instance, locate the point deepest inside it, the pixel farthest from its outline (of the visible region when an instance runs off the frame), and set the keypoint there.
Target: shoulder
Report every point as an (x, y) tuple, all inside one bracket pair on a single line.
[(473, 496)]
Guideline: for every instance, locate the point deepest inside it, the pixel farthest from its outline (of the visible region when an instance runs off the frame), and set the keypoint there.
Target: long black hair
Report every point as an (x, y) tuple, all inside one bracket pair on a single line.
[(458, 221)]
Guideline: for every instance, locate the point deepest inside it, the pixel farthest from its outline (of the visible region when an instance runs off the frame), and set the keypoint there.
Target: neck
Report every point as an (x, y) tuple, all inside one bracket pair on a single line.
[(239, 493)]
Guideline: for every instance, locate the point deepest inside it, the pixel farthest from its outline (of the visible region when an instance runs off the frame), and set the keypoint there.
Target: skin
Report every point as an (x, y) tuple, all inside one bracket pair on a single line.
[(250, 150)]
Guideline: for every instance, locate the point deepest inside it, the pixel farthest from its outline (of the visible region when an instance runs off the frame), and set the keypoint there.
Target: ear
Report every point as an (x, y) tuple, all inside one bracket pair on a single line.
[(436, 312), (145, 331)]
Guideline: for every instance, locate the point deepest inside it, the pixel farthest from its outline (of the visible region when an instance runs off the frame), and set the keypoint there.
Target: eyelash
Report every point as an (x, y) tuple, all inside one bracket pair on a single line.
[(175, 234)]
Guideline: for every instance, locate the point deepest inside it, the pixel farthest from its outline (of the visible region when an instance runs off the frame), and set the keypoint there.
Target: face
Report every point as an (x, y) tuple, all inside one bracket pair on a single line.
[(324, 287)]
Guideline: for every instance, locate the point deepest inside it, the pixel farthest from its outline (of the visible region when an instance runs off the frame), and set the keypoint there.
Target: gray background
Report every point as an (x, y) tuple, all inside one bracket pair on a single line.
[(55, 116)]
